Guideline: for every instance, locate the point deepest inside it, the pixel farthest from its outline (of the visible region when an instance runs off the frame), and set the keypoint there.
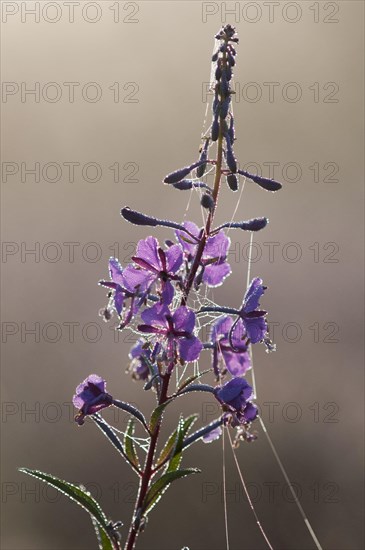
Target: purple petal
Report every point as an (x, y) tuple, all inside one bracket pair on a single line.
[(184, 319), (137, 280), (190, 348), (217, 246), (253, 295), (119, 300), (250, 412), (221, 328), (174, 258), (233, 389), (88, 390), (115, 271), (188, 244), (147, 250), (237, 363), (156, 315), (256, 328), (214, 274), (167, 293), (213, 435)]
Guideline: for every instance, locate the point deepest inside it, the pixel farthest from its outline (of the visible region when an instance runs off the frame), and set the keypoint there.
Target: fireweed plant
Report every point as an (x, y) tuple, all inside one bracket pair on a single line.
[(161, 295)]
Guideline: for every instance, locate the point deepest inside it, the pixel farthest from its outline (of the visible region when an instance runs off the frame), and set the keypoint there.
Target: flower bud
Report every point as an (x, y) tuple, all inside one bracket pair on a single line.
[(203, 157), (230, 158), (178, 175), (265, 183), (232, 182), (215, 129), (207, 201)]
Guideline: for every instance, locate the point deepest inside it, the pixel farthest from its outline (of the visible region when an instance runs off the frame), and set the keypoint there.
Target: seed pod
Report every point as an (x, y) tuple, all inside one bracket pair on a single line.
[(232, 182), (215, 129), (207, 201), (230, 158)]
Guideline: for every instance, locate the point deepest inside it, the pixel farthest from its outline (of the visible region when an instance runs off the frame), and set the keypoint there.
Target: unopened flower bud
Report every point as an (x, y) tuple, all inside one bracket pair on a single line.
[(232, 182), (207, 201)]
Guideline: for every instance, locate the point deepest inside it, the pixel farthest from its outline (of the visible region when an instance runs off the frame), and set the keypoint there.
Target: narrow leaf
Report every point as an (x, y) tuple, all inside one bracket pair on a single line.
[(129, 447), (170, 444), (75, 493), (157, 414), (159, 487), (104, 541)]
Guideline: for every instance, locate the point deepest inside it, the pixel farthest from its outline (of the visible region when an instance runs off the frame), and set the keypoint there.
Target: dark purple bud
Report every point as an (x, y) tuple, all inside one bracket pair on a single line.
[(223, 48), (231, 60), (215, 104), (229, 73), (215, 56), (232, 50), (223, 111), (180, 174), (265, 183), (207, 201), (230, 158), (215, 129), (231, 129), (232, 182), (137, 218), (218, 73), (203, 157), (250, 225), (224, 87), (183, 185)]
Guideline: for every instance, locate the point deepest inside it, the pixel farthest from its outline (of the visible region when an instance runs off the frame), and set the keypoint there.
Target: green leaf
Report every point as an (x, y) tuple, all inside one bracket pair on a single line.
[(157, 414), (78, 495), (170, 444), (159, 487), (129, 447), (104, 541), (192, 379)]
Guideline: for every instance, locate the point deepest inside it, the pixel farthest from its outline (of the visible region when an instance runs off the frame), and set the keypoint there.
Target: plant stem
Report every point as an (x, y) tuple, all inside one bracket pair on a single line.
[(148, 470)]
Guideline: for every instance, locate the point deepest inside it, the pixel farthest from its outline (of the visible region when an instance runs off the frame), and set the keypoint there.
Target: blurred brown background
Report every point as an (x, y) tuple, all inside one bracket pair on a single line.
[(298, 104)]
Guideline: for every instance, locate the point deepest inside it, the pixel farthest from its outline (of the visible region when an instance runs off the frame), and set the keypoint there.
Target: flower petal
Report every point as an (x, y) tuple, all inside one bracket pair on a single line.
[(190, 348), (256, 328), (253, 295), (147, 250), (115, 271), (137, 280), (184, 319), (237, 363), (156, 315), (214, 274), (174, 258)]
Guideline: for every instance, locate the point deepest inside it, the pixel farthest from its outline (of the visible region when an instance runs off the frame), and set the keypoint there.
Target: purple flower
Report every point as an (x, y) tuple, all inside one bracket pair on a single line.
[(177, 327), (127, 283), (140, 358), (253, 320), (159, 264), (235, 396), (236, 358), (214, 265), (90, 397)]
